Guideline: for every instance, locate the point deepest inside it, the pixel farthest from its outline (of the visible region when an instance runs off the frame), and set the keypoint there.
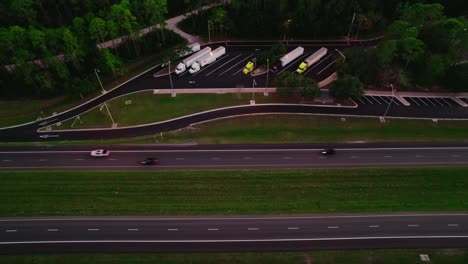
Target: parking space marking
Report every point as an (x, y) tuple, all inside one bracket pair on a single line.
[(446, 101), (222, 65), (211, 64), (430, 101), (10, 230), (132, 229), (253, 228), (292, 63), (359, 99), (316, 65), (438, 101), (421, 100), (375, 99), (365, 97), (373, 226), (326, 67), (384, 99), (413, 225), (452, 225), (293, 228), (413, 101), (248, 57)]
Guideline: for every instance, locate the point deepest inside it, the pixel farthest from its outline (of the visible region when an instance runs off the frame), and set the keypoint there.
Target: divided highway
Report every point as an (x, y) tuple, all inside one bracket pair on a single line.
[(236, 157), (233, 233)]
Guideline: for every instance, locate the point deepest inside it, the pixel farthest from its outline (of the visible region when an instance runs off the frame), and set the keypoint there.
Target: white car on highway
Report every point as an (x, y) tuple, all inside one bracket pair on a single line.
[(100, 153)]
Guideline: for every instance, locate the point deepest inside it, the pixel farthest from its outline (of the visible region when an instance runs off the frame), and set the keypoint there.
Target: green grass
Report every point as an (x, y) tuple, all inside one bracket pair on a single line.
[(391, 256), (147, 108), (15, 112), (316, 129), (297, 129), (233, 192)]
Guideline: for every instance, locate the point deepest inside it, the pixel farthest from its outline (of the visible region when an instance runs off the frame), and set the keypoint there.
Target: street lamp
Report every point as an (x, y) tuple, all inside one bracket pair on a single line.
[(170, 80), (286, 27), (209, 34), (96, 72), (268, 74), (253, 86), (351, 25), (391, 101)]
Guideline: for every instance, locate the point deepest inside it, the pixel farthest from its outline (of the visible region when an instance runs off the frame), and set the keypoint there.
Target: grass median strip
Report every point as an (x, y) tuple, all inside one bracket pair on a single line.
[(145, 107), (233, 192), (391, 256)]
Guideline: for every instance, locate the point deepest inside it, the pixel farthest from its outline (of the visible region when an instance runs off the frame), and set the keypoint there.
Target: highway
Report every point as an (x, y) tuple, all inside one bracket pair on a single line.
[(233, 233), (236, 157)]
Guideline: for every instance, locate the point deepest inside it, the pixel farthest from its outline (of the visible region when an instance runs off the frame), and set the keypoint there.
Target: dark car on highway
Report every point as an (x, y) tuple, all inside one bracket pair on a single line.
[(328, 151), (150, 161)]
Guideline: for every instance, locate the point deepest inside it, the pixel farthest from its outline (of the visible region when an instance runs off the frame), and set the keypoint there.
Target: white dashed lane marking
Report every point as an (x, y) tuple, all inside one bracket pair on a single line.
[(52, 230), (333, 227), (172, 229), (373, 226), (252, 228), (10, 230), (293, 228), (93, 229), (132, 229), (452, 225), (413, 225)]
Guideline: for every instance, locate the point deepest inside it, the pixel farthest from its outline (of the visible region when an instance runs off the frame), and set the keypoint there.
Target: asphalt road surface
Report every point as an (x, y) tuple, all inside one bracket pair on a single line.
[(236, 157), (233, 233)]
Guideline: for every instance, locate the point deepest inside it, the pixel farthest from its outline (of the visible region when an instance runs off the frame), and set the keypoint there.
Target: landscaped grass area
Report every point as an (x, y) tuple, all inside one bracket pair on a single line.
[(298, 129), (145, 107), (22, 111), (318, 129), (233, 192), (391, 256)]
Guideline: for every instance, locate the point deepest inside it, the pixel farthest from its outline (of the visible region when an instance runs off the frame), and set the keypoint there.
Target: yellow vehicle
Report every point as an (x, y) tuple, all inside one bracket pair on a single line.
[(249, 67)]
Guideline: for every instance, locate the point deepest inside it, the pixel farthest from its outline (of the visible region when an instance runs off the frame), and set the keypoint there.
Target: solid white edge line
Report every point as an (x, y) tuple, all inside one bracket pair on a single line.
[(229, 241), (237, 150)]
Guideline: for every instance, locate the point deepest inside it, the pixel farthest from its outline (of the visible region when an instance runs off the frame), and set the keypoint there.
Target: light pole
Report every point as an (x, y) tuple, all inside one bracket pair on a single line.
[(209, 34), (358, 27), (342, 55), (113, 123), (268, 74), (253, 86), (391, 101), (96, 72), (170, 80), (286, 27), (351, 25)]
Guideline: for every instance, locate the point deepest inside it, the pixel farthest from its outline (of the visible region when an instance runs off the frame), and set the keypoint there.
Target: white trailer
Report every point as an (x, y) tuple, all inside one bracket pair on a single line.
[(311, 60), (190, 49), (286, 59), (207, 59), (186, 63)]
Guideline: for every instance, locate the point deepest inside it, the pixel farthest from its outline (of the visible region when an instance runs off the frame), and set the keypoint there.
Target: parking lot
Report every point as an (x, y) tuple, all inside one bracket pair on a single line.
[(226, 71)]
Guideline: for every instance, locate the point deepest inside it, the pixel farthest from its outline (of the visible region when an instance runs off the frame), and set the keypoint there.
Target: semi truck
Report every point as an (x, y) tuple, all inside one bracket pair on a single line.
[(286, 59), (187, 62), (312, 59), (206, 59)]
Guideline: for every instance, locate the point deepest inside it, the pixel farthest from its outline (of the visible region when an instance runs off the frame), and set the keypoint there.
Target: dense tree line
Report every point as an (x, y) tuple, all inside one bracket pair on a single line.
[(49, 51), (308, 19), (423, 47)]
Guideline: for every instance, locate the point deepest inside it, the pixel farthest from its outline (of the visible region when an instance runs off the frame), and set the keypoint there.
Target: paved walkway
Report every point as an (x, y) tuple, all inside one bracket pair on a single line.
[(171, 24)]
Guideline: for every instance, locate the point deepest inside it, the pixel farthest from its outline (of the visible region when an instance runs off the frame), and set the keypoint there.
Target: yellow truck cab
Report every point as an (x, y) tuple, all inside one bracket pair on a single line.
[(248, 67), (302, 68)]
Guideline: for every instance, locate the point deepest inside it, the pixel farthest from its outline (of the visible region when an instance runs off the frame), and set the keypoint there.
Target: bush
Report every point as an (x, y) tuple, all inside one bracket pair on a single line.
[(347, 86)]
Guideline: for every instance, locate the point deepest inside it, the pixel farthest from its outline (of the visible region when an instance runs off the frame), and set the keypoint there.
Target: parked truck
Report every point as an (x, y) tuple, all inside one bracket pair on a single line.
[(286, 59), (312, 59), (206, 59), (187, 62), (189, 50)]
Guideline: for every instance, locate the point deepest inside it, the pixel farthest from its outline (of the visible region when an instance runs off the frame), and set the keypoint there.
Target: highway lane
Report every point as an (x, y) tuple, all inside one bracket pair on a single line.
[(233, 233), (234, 157)]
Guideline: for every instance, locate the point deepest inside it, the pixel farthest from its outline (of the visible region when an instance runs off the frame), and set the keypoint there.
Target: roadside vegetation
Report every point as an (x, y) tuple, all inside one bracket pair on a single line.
[(387, 256), (233, 192), (277, 129), (145, 107)]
